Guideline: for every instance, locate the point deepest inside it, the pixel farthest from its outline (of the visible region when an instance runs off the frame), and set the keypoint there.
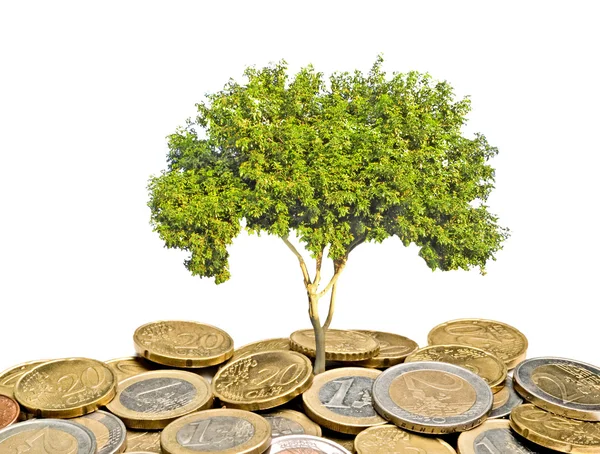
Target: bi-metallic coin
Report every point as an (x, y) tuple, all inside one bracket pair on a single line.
[(341, 400), (9, 411), (261, 346), (143, 441), (432, 397), (263, 380), (495, 437), (500, 339), (183, 343), (391, 439), (304, 444), (393, 349), (110, 432), (562, 386), (153, 399), (505, 400), (222, 431), (47, 436), (291, 422), (340, 345)]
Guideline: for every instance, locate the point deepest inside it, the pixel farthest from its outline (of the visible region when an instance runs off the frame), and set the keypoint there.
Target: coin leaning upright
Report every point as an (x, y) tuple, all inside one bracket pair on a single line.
[(432, 397), (340, 345), (183, 343)]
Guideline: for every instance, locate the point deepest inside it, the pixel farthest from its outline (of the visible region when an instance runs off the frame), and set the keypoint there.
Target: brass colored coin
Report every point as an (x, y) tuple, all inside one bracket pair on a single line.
[(9, 377), (183, 344), (495, 437), (505, 400), (341, 400), (554, 431), (130, 366), (263, 380), (500, 339), (261, 346), (344, 440), (9, 411), (65, 388), (143, 441), (487, 366), (340, 345), (222, 431), (391, 439), (154, 399), (291, 422), (110, 433), (393, 350), (563, 386)]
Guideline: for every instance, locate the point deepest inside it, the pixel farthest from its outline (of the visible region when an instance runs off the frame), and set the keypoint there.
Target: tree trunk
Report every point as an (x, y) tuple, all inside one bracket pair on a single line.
[(313, 313)]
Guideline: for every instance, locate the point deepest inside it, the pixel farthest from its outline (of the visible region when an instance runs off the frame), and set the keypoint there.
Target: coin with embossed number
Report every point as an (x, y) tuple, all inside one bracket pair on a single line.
[(340, 345), (393, 350), (263, 380), (500, 339), (143, 441), (109, 431), (153, 399), (65, 388), (132, 365), (340, 399), (563, 386), (505, 400), (261, 346), (9, 377), (183, 343), (555, 432), (391, 439), (487, 366), (432, 397), (495, 437), (9, 411), (291, 422), (47, 436), (304, 444), (222, 431)]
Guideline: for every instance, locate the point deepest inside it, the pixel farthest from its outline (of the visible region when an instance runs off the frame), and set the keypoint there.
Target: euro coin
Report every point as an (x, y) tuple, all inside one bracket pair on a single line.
[(555, 432), (305, 444), (494, 437), (130, 366), (65, 388), (109, 431), (10, 376), (500, 339), (432, 397), (153, 399), (487, 366), (563, 386), (263, 380), (9, 411), (393, 349), (222, 431), (143, 441), (505, 400), (346, 441), (391, 439), (340, 399), (340, 345), (291, 422), (261, 346), (183, 344), (47, 436)]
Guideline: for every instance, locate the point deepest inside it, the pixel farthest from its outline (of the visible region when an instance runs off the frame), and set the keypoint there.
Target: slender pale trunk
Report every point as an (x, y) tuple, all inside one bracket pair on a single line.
[(313, 313)]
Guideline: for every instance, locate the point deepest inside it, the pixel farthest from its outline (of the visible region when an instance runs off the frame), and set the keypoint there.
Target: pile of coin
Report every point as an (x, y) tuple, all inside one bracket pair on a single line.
[(189, 392)]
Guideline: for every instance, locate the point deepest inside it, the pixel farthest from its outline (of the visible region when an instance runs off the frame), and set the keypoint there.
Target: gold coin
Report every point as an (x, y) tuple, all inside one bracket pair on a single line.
[(340, 345), (154, 399), (183, 344), (130, 366), (393, 349), (291, 422), (341, 400), (10, 376), (391, 439), (143, 441), (261, 346), (554, 431), (263, 380), (344, 440), (487, 366), (497, 338), (65, 388), (222, 431)]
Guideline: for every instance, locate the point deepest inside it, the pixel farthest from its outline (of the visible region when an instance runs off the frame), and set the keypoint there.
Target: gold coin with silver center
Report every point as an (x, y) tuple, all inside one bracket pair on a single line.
[(340, 345), (391, 439)]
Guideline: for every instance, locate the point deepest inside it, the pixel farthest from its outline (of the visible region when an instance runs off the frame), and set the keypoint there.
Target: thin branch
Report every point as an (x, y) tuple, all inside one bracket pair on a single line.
[(319, 263), (331, 302), (336, 274), (300, 259), (356, 242)]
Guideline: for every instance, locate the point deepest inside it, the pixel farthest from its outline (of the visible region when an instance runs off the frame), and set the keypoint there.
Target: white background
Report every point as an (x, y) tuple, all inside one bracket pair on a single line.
[(90, 90)]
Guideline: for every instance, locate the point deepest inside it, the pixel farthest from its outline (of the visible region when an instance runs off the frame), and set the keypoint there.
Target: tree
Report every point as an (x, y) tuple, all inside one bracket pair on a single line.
[(356, 159)]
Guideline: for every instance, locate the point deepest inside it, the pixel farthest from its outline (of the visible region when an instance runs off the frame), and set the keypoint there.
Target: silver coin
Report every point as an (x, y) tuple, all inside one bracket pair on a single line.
[(109, 431), (304, 444), (432, 397), (496, 437), (33, 436), (562, 386), (510, 400)]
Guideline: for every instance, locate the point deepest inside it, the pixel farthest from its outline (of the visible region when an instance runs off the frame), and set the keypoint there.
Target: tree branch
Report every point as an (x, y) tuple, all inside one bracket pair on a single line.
[(356, 242), (336, 274), (331, 302), (318, 273), (307, 281)]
